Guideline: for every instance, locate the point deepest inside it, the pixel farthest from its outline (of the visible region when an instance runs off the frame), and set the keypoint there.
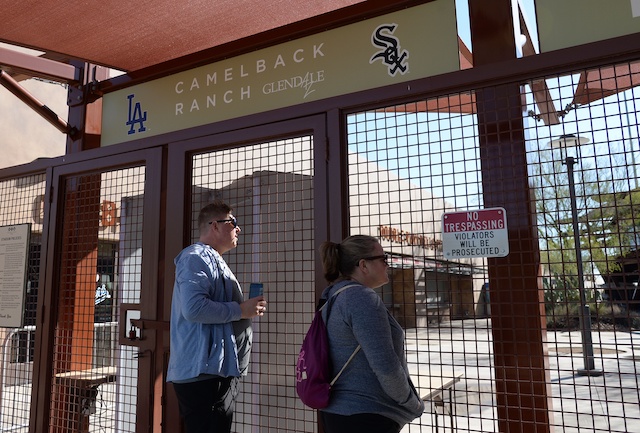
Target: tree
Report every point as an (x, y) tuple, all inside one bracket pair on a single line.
[(614, 227), (598, 212)]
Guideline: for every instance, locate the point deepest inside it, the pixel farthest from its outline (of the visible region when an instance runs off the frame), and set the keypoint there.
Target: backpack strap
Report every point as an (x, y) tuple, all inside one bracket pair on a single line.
[(357, 349), (337, 292)]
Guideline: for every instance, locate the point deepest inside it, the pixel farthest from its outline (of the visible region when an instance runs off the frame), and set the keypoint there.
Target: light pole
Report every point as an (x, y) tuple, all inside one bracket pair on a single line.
[(633, 151), (563, 143)]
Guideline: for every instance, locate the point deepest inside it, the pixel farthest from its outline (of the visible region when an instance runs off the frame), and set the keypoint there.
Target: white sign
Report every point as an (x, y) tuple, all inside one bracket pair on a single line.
[(475, 233), (14, 250)]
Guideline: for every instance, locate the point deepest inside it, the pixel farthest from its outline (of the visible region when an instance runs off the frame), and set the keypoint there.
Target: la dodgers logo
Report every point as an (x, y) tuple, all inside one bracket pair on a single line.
[(390, 54), (136, 116)]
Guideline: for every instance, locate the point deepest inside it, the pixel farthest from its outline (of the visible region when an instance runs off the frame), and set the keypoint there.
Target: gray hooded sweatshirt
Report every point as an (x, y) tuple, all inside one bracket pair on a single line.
[(377, 379)]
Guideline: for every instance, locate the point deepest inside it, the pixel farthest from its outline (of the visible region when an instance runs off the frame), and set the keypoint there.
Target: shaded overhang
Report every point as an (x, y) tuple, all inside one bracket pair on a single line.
[(599, 83), (150, 38), (147, 39), (145, 35)]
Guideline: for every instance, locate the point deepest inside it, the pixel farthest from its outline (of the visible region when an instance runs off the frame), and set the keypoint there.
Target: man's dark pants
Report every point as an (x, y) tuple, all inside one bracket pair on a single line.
[(206, 406)]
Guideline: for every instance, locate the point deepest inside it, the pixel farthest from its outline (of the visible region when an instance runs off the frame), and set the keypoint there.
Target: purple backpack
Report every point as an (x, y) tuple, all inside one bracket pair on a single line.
[(313, 370)]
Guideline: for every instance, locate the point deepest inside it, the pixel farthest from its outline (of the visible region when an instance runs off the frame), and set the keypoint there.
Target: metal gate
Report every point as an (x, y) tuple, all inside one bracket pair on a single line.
[(497, 342), (272, 179), (89, 228), (547, 335), (23, 203), (106, 220)]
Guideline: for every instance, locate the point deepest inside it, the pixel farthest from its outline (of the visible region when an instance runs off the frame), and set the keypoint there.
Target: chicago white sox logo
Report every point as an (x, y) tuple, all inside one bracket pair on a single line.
[(390, 54)]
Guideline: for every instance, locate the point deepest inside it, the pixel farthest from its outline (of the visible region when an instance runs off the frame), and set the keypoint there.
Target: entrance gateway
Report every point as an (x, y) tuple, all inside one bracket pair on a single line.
[(198, 160), (273, 176), (388, 50)]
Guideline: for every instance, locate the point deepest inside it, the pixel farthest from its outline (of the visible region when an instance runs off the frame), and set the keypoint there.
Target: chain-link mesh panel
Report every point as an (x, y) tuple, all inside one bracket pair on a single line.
[(412, 164), (270, 187), (22, 203), (406, 169), (585, 182), (94, 378)]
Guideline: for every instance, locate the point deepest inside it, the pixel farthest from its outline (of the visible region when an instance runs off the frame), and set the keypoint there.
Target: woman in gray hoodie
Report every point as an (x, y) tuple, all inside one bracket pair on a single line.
[(374, 394)]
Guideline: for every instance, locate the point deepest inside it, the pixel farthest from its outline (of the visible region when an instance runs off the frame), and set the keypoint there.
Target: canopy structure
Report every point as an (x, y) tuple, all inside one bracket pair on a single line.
[(602, 82), (148, 38), (131, 36)]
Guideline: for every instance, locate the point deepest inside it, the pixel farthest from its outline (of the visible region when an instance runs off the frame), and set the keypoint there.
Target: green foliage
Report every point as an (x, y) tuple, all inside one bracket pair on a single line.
[(559, 291), (613, 227), (608, 222)]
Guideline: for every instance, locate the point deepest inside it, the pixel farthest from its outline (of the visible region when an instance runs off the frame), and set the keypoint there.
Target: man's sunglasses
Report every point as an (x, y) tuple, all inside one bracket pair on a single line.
[(231, 220)]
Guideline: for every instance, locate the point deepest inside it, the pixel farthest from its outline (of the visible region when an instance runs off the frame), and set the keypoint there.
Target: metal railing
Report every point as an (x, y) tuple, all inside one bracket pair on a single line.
[(16, 370)]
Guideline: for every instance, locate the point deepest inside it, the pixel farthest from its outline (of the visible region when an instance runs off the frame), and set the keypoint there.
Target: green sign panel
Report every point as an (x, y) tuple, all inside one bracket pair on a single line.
[(567, 23), (402, 46)]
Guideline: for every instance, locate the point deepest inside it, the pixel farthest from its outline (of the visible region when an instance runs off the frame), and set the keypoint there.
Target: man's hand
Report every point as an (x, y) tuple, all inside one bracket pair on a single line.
[(253, 307)]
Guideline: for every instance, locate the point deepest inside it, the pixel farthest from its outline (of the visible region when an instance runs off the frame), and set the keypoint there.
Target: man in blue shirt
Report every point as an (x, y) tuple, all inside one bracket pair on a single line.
[(210, 325)]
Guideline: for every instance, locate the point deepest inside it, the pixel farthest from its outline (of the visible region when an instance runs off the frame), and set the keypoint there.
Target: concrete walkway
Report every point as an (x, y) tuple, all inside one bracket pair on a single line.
[(606, 403), (456, 361)]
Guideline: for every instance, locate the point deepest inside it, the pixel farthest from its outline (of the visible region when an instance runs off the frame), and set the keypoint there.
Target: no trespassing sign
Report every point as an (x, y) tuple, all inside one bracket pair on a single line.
[(475, 233)]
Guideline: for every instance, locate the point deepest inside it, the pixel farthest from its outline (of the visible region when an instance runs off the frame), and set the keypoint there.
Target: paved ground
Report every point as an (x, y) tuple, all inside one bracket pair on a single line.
[(606, 403)]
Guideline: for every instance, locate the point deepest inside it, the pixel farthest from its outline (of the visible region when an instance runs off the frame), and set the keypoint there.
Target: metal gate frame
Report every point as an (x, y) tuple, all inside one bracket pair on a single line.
[(179, 202), (59, 169), (504, 74)]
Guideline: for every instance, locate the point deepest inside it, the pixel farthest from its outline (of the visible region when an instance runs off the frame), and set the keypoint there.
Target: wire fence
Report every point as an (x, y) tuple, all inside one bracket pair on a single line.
[(409, 167)]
